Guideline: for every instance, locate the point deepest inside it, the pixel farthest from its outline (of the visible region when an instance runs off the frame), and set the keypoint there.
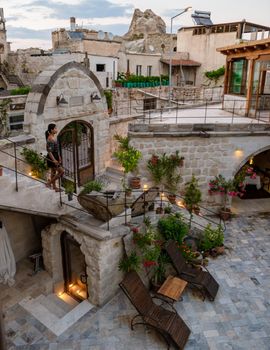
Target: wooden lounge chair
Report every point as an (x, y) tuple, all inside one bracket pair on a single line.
[(144, 202), (167, 323), (200, 279)]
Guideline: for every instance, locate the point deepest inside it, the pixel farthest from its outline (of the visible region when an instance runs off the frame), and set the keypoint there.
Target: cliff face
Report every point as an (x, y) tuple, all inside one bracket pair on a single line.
[(144, 23)]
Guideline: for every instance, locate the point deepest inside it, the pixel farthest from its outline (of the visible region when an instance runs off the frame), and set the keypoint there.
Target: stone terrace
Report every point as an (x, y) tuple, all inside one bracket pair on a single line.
[(239, 318)]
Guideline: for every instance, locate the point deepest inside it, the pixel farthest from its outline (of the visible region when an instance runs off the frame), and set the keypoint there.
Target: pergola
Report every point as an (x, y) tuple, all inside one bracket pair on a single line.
[(247, 73)]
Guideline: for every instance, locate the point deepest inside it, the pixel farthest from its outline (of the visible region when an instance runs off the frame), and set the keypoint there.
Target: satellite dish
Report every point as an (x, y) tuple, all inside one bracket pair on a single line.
[(101, 35), (151, 48), (110, 36)]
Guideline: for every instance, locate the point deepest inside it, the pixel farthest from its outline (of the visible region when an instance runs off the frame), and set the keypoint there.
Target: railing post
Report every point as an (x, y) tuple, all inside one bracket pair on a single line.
[(143, 205), (60, 195), (125, 208), (107, 202), (205, 113), (233, 111), (176, 113), (16, 166)]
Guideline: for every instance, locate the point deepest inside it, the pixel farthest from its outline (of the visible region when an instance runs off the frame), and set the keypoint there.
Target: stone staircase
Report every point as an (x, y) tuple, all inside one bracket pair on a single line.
[(54, 312), (32, 196)]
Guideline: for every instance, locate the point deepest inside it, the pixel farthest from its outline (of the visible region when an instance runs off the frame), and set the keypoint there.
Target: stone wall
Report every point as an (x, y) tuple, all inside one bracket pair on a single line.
[(25, 239), (235, 104), (102, 251), (223, 149)]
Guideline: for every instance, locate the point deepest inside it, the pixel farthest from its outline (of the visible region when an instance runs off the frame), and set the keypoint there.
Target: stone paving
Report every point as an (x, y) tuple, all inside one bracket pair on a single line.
[(239, 318)]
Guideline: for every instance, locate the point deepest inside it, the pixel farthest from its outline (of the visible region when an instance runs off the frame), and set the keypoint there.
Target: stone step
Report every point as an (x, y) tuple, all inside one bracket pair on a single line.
[(53, 299), (55, 305)]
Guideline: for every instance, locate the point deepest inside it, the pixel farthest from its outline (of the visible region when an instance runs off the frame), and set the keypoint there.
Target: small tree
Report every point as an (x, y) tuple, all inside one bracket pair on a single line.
[(193, 194), (127, 156)]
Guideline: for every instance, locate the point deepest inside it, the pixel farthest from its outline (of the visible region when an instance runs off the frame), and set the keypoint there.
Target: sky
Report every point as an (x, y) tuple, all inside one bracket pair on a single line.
[(29, 23)]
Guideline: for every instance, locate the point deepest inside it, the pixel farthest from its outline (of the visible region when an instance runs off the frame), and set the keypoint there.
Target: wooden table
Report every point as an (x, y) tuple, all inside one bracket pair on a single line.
[(172, 288)]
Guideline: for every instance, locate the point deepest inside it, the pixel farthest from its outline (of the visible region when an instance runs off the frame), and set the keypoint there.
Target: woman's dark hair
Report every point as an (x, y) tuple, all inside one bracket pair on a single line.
[(49, 130)]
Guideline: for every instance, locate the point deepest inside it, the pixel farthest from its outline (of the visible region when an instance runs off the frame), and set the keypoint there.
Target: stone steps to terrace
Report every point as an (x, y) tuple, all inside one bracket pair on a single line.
[(32, 196), (54, 312)]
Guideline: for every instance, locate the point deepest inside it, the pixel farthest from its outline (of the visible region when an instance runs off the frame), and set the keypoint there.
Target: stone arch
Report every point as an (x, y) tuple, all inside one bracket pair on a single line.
[(44, 89), (243, 162), (78, 85)]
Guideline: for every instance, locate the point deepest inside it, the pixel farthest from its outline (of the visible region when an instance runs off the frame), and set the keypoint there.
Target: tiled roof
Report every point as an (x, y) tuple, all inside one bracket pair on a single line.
[(179, 62)]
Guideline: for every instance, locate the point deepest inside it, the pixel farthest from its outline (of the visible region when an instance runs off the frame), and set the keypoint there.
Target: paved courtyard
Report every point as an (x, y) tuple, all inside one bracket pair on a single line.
[(239, 318)]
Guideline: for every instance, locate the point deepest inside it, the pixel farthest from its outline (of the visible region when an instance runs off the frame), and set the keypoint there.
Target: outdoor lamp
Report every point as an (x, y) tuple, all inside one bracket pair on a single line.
[(94, 97), (60, 100)]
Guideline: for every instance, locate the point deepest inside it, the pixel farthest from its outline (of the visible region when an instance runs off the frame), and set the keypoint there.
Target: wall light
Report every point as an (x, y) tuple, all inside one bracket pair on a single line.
[(251, 161), (60, 100), (94, 97), (239, 153)]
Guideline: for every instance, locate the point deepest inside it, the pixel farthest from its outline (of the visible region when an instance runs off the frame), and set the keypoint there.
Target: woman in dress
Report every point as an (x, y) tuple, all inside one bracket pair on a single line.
[(53, 157)]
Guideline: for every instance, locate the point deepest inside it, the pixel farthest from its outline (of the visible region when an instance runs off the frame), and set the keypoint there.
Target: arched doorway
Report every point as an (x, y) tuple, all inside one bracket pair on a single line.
[(74, 268), (76, 142), (257, 176)]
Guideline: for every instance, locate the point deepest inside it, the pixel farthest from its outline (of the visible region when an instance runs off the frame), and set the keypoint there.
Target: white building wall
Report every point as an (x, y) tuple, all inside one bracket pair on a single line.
[(140, 59), (202, 48)]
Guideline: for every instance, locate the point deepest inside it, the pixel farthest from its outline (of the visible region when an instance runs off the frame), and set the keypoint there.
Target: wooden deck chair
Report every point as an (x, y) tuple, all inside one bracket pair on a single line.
[(201, 279), (144, 202), (167, 323)]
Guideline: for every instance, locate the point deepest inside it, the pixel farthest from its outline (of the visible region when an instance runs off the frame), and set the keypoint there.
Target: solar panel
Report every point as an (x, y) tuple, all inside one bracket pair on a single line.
[(75, 35), (202, 18)]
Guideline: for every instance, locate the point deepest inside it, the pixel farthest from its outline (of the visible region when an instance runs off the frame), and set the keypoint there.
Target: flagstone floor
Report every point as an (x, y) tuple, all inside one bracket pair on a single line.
[(239, 318)]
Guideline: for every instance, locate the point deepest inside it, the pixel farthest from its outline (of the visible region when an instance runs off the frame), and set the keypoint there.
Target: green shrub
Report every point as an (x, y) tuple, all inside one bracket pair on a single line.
[(173, 227), (129, 263), (212, 238), (21, 90), (108, 95), (37, 162), (93, 185)]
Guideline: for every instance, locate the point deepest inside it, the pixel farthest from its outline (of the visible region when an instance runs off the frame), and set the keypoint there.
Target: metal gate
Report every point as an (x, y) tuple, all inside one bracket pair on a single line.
[(76, 146)]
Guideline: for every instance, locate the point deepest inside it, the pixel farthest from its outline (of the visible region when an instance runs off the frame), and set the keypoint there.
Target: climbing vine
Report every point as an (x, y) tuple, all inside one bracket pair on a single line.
[(214, 75)]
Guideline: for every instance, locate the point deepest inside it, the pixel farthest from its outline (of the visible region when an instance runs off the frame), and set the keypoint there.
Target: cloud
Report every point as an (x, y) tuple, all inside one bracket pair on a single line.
[(83, 9), (25, 33)]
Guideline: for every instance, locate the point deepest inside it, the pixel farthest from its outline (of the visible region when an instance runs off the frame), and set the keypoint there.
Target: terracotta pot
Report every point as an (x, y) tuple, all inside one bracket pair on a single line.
[(172, 198), (135, 183), (159, 210), (220, 250), (225, 214)]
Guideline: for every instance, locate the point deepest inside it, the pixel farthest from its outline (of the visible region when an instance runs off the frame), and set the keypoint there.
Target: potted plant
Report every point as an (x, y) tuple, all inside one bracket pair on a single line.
[(37, 162), (109, 96), (93, 185), (225, 188), (192, 195), (128, 157), (129, 263), (212, 240), (173, 227), (172, 176), (69, 189), (156, 168)]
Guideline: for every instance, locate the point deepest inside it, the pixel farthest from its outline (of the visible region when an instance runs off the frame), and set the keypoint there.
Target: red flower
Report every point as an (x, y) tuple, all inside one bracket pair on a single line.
[(135, 229)]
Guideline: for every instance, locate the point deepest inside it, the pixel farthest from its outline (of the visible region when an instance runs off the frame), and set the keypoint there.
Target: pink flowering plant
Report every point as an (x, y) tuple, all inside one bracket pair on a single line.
[(226, 188)]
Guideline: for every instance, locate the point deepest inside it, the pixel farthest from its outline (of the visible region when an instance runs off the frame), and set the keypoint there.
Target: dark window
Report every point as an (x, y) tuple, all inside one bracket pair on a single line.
[(139, 70), (149, 103), (238, 77), (149, 71), (100, 67), (16, 122)]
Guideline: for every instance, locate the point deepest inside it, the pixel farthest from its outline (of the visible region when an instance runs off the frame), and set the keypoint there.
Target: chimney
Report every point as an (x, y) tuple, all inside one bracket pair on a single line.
[(72, 24)]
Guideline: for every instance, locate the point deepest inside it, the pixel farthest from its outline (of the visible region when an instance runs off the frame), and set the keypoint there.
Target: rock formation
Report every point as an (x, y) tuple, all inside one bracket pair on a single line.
[(144, 23)]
